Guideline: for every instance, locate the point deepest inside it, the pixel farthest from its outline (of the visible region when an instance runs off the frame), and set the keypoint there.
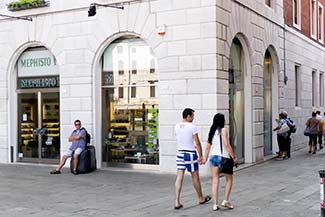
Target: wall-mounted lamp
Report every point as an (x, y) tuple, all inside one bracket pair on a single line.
[(285, 79), (92, 8), (18, 18)]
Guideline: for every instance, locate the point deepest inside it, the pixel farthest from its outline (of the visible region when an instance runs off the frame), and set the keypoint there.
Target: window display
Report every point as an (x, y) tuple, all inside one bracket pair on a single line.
[(129, 110)]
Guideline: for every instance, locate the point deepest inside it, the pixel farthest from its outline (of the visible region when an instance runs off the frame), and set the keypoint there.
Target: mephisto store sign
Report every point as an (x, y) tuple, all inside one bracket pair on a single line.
[(37, 69)]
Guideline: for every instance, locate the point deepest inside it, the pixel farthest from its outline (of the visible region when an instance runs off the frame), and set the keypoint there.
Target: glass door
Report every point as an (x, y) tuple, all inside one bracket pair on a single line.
[(267, 93), (38, 126), (27, 125), (50, 122), (236, 99)]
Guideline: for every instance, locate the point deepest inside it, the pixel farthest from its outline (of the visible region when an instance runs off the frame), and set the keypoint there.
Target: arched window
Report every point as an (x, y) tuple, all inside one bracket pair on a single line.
[(130, 103)]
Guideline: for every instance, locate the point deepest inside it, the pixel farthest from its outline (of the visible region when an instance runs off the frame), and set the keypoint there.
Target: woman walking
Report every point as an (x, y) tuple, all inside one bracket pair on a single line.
[(218, 147), (283, 137), (313, 125)]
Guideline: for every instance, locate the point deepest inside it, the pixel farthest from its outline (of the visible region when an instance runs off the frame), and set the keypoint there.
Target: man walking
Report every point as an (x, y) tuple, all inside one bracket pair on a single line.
[(189, 156)]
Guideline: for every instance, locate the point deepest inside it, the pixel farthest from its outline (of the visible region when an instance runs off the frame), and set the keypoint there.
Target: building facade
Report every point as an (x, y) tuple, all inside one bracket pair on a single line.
[(128, 73)]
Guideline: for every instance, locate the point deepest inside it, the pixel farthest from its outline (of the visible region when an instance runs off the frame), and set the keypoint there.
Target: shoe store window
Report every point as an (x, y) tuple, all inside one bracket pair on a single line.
[(129, 103)]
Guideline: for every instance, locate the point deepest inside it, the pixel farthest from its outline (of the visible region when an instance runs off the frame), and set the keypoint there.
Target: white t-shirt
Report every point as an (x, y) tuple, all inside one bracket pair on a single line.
[(215, 147), (185, 132)]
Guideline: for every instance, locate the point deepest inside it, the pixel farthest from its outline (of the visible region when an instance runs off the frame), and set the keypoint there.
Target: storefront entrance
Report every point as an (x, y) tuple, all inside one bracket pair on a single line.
[(38, 107), (237, 70), (267, 96), (38, 126)]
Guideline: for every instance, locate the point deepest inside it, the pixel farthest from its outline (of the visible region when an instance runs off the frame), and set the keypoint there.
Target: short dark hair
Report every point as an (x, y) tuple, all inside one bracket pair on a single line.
[(187, 112), (77, 121)]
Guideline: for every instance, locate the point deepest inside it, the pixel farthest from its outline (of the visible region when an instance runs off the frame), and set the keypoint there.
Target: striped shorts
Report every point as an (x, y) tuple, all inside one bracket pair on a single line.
[(187, 160)]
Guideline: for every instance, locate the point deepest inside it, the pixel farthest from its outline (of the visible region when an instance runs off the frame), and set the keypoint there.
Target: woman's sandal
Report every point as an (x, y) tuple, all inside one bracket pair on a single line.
[(227, 204), (215, 207)]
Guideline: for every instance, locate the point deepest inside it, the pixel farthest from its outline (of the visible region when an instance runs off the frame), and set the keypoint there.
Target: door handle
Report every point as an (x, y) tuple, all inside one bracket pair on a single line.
[(39, 131)]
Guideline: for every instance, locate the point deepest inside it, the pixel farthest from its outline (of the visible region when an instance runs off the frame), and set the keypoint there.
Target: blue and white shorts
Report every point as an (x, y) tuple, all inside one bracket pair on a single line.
[(187, 160)]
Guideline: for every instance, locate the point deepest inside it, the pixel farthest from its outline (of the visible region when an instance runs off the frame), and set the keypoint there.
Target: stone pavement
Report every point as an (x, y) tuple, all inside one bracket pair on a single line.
[(274, 188)]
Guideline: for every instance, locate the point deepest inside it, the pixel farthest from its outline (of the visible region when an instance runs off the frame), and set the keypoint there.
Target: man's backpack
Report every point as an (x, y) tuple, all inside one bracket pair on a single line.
[(87, 136), (291, 125)]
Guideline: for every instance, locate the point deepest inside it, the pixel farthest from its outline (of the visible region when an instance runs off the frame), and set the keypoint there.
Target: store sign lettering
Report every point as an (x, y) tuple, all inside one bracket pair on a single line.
[(50, 82), (37, 63)]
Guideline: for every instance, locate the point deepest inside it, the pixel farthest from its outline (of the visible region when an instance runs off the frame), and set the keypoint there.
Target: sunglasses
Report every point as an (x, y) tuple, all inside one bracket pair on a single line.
[(77, 124)]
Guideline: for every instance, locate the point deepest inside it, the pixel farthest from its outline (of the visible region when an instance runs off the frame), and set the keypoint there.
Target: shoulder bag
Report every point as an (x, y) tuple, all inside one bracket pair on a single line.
[(225, 162)]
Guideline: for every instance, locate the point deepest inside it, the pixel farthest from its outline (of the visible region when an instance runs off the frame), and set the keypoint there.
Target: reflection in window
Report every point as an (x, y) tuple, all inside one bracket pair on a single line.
[(119, 49), (120, 67), (152, 66), (134, 67), (120, 92), (133, 92), (152, 91), (130, 122)]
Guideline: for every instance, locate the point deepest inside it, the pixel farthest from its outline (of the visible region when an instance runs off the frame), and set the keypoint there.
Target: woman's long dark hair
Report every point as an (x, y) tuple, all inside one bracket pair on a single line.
[(218, 124)]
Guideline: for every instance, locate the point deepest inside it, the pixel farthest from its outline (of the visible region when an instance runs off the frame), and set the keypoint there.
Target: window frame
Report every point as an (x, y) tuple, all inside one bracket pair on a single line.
[(321, 89), (298, 24), (314, 88), (320, 26), (297, 70), (269, 5), (121, 92), (313, 19), (133, 91)]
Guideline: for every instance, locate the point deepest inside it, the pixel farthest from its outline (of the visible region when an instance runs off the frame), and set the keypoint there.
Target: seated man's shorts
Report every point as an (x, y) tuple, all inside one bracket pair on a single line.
[(69, 152), (187, 160)]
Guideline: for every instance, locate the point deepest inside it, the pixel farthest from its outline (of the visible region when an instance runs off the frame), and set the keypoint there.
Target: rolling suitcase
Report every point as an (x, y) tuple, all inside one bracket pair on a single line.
[(87, 160)]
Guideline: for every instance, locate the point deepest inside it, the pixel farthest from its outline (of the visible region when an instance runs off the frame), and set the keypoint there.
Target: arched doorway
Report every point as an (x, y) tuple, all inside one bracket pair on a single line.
[(267, 97), (38, 106), (237, 70), (129, 103)]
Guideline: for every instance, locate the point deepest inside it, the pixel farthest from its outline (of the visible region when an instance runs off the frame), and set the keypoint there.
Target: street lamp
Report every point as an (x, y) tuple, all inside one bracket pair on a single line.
[(92, 8)]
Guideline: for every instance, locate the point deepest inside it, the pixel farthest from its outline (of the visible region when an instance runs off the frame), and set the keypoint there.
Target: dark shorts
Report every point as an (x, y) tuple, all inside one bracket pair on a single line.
[(228, 167)]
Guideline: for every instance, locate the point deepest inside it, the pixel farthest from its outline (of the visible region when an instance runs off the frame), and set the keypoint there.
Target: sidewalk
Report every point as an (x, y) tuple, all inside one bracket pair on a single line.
[(274, 188)]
